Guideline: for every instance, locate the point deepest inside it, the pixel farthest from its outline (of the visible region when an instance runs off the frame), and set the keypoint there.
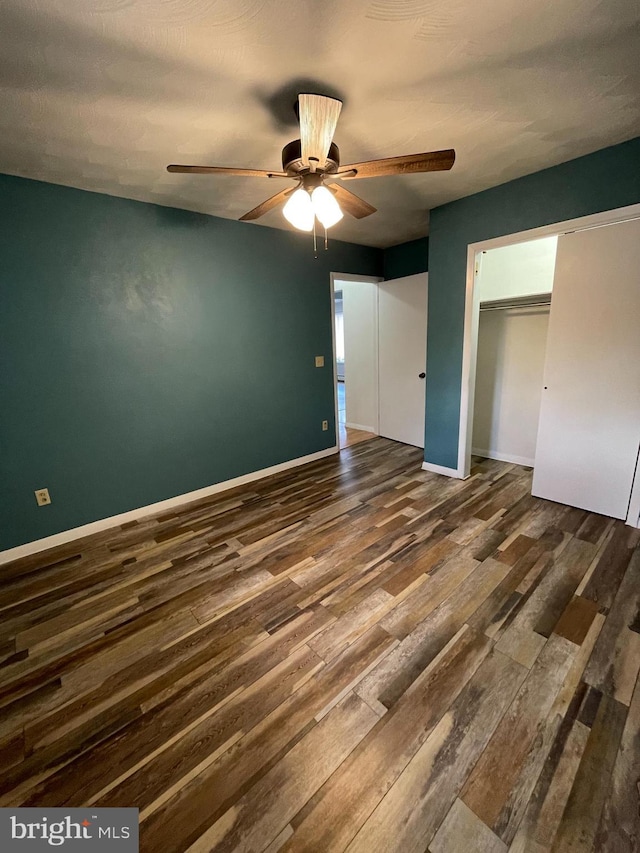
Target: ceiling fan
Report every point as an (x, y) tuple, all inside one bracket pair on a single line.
[(313, 161)]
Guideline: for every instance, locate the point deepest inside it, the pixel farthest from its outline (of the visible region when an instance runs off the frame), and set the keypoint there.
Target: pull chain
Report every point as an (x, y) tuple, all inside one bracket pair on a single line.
[(315, 243), (326, 239)]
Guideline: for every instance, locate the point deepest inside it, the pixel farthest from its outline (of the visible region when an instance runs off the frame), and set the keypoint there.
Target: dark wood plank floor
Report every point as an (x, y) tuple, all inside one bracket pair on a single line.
[(354, 656)]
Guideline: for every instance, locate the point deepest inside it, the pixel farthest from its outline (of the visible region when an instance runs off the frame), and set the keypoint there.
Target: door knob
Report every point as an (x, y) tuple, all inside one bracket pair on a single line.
[(421, 375)]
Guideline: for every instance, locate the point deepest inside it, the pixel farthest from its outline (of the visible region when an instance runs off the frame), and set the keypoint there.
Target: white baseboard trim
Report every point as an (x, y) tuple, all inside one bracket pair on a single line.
[(440, 469), (349, 425), (151, 509), (503, 457)]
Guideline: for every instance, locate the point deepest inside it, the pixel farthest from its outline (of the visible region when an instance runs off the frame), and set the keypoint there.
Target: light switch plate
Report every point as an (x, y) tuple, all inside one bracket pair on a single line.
[(319, 361)]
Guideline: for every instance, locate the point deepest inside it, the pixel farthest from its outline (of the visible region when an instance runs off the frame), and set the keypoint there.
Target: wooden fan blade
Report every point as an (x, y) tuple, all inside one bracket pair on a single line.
[(431, 161), (267, 205), (223, 170), (353, 204), (318, 120)]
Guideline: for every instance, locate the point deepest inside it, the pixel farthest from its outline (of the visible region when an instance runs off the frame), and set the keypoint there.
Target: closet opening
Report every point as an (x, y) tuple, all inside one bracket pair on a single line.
[(551, 364), (514, 286)]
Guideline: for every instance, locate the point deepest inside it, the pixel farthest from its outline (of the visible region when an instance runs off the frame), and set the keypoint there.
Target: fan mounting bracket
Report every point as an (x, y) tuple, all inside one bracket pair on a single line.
[(294, 166)]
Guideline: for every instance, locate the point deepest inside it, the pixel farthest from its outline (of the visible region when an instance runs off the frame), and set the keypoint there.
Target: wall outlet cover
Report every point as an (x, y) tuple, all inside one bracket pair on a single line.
[(42, 497), (319, 361), (325, 426)]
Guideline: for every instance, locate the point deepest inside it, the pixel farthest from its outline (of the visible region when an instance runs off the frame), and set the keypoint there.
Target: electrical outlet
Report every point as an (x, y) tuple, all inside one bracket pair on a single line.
[(325, 426), (319, 361), (42, 497)]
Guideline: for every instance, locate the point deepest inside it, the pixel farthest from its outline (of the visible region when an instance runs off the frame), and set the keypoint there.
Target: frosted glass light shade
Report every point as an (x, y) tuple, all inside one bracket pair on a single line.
[(326, 207), (299, 210)]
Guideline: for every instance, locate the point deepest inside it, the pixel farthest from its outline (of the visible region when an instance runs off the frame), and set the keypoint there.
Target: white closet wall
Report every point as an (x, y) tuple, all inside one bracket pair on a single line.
[(360, 313), (518, 270), (509, 373)]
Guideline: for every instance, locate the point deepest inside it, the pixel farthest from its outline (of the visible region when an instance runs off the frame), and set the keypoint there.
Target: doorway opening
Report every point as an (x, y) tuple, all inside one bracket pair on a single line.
[(355, 311), (380, 334)]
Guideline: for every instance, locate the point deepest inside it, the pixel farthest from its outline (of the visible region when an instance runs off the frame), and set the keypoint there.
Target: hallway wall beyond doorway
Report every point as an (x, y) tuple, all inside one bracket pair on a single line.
[(346, 435)]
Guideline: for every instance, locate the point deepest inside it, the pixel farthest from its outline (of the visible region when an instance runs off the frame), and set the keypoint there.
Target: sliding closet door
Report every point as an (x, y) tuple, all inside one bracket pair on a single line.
[(590, 413)]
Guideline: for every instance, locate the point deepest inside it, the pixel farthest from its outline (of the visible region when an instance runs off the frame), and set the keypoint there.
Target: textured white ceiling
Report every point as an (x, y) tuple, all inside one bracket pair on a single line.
[(102, 94)]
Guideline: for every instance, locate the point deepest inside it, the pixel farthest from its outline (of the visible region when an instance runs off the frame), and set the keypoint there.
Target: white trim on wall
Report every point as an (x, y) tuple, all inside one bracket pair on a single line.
[(440, 469), (633, 513), (469, 355), (151, 509), (470, 340), (503, 457), (362, 427)]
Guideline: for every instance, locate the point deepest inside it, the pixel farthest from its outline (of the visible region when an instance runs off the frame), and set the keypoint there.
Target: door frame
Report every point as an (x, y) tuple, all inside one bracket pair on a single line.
[(471, 318), (333, 277)]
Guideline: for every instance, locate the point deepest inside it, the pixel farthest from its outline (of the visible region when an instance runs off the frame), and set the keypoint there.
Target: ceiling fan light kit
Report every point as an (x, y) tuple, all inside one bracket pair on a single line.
[(304, 205), (325, 207), (299, 210), (314, 159)]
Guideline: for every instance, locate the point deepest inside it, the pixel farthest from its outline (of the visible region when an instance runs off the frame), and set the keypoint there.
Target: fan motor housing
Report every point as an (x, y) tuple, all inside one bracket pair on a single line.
[(292, 158)]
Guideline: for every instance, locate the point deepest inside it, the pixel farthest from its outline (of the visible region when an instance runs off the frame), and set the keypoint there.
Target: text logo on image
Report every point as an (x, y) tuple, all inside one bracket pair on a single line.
[(79, 830)]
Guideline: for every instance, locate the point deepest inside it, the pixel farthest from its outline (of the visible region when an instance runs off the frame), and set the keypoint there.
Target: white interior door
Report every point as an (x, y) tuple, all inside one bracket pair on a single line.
[(402, 356), (590, 413)]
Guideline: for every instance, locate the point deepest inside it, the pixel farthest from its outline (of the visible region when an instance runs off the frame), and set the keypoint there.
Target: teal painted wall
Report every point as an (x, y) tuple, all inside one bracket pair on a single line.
[(407, 258), (602, 181), (146, 352)]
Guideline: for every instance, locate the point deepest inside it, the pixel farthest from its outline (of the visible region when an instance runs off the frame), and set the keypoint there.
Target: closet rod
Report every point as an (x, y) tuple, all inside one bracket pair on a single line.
[(507, 307), (533, 301)]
